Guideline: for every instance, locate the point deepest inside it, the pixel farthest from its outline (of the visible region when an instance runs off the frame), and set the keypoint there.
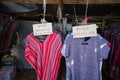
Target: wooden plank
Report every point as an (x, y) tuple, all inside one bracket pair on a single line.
[(32, 1), (100, 17), (91, 1), (66, 1), (69, 18)]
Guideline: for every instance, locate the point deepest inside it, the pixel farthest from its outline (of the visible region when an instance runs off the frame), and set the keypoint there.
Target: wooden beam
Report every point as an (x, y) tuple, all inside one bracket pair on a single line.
[(91, 1), (32, 1), (66, 1), (59, 14), (70, 17)]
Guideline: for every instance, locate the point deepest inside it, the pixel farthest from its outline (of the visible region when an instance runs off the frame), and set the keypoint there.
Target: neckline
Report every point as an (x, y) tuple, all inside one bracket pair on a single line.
[(40, 41), (89, 40), (83, 40)]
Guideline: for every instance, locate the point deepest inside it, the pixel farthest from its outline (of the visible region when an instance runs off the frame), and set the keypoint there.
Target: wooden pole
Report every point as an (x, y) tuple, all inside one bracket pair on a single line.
[(103, 26), (60, 14), (64, 25)]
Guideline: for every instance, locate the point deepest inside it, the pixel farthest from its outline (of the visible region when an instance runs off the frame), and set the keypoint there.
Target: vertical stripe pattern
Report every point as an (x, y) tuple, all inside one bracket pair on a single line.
[(45, 56)]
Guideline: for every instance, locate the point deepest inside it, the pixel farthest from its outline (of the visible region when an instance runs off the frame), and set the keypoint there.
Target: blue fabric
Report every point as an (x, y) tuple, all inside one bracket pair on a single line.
[(83, 58)]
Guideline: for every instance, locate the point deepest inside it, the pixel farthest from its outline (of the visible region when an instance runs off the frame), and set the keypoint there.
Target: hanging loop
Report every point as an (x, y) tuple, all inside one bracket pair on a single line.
[(75, 14), (44, 11), (74, 8), (86, 9)]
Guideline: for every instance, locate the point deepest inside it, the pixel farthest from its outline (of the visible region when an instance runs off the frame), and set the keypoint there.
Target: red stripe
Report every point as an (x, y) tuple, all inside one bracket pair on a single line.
[(32, 63), (57, 62), (32, 45), (46, 54), (52, 58), (9, 35)]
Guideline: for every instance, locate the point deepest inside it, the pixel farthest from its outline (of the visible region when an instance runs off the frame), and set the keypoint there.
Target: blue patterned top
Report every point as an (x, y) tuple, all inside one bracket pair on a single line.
[(83, 57)]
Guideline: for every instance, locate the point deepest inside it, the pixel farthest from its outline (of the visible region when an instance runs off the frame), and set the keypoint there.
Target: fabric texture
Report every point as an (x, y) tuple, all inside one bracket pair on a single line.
[(7, 28), (44, 56), (117, 56), (83, 58)]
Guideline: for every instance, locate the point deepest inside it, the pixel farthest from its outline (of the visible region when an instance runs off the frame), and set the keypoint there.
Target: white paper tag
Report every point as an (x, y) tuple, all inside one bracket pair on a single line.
[(85, 31), (42, 29)]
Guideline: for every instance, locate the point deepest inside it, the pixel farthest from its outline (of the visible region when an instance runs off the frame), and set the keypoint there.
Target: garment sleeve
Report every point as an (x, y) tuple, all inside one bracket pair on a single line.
[(30, 55), (65, 53), (65, 48), (103, 46)]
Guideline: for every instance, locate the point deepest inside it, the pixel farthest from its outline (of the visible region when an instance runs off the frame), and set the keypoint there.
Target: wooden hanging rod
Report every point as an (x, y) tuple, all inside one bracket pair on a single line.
[(66, 1), (71, 17)]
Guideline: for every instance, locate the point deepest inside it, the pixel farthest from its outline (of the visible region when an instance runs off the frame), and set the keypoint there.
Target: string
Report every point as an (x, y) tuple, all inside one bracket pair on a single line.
[(44, 7), (86, 10), (75, 13)]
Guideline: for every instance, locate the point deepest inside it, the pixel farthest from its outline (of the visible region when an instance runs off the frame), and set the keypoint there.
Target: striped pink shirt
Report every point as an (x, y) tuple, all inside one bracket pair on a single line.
[(44, 56)]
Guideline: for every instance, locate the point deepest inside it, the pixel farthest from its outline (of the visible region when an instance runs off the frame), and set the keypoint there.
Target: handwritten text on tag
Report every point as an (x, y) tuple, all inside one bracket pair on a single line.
[(42, 29), (85, 31)]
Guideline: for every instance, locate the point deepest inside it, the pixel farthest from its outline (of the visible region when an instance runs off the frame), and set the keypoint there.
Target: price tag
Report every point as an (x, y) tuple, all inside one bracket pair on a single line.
[(85, 31), (42, 29)]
